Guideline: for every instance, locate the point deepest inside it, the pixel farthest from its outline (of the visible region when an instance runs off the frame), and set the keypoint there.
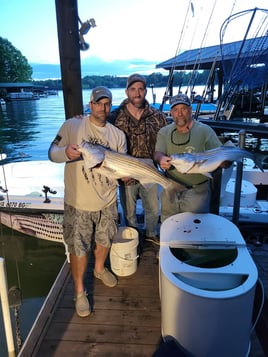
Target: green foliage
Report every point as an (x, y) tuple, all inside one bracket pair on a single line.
[(181, 78), (14, 66)]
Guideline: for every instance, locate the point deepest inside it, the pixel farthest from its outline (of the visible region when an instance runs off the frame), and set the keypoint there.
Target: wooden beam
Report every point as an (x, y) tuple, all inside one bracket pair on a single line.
[(69, 51)]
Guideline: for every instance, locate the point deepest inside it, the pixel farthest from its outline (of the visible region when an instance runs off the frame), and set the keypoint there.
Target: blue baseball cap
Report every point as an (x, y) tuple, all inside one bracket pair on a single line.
[(180, 99)]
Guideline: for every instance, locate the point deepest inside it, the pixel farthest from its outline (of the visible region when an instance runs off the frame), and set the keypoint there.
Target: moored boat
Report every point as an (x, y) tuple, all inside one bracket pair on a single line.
[(31, 198), (253, 205), (20, 96)]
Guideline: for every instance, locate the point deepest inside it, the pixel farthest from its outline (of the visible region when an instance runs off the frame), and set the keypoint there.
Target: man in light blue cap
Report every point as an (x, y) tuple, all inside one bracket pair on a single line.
[(184, 135)]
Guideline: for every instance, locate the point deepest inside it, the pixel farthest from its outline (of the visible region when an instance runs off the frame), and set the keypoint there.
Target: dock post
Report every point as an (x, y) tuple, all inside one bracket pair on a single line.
[(238, 181), (5, 309), (69, 51)]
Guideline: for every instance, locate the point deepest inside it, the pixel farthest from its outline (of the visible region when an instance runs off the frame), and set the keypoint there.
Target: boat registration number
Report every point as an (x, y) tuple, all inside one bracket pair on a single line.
[(14, 204)]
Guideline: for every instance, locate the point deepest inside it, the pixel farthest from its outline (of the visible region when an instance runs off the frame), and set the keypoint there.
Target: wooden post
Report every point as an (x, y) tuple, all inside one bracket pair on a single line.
[(68, 37), (5, 309)]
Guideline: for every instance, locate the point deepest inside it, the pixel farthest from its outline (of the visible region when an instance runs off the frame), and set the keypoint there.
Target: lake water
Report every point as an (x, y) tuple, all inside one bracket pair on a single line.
[(27, 128)]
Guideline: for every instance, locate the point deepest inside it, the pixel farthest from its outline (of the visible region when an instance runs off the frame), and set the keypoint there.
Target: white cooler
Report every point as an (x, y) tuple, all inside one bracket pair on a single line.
[(207, 285)]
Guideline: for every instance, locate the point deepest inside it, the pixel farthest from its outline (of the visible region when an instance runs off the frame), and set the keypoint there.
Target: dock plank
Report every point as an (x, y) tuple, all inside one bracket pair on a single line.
[(71, 348)]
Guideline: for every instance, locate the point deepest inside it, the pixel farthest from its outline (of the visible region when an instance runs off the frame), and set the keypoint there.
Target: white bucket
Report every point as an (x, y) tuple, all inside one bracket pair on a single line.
[(123, 253)]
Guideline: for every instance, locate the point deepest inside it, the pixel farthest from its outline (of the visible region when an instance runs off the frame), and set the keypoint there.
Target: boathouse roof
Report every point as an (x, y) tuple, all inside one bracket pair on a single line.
[(17, 85), (203, 58)]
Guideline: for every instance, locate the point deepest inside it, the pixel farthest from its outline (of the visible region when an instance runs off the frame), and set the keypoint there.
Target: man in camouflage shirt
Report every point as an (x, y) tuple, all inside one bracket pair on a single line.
[(140, 123)]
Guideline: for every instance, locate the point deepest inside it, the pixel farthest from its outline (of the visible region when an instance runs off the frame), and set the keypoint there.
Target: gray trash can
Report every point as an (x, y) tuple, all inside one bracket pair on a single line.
[(207, 285)]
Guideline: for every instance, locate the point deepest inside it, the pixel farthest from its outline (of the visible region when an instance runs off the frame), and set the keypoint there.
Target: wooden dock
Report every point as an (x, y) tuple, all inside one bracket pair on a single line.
[(125, 321)]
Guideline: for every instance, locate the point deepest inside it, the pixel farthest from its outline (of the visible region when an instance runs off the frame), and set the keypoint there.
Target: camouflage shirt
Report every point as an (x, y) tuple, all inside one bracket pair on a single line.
[(140, 133)]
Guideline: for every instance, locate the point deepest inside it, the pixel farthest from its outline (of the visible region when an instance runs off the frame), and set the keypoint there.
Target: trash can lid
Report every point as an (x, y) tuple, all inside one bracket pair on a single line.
[(200, 230)]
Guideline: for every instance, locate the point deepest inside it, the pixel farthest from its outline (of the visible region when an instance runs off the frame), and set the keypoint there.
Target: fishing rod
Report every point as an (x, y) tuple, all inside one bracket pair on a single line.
[(210, 77), (204, 93), (196, 67), (230, 89), (168, 91), (190, 47), (211, 73)]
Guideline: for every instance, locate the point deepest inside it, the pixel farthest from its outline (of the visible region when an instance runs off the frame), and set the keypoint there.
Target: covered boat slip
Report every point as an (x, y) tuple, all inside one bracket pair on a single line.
[(239, 69)]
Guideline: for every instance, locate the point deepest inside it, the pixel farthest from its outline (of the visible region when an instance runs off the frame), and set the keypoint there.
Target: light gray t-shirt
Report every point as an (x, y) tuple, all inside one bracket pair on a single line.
[(86, 189)]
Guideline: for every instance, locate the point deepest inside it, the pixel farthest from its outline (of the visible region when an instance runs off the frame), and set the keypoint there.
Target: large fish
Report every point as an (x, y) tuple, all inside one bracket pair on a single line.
[(206, 162), (115, 166)]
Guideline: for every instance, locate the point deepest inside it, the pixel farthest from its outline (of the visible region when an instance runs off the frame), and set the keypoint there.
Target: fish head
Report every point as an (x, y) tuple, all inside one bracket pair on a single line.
[(182, 162), (92, 154)]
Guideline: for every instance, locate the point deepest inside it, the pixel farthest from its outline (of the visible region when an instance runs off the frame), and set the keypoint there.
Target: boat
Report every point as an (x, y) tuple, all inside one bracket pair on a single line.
[(52, 92), (201, 108), (31, 198), (21, 96), (253, 207)]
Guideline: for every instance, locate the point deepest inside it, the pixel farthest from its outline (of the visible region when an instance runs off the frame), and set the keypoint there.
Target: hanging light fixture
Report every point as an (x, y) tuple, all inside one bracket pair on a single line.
[(84, 28)]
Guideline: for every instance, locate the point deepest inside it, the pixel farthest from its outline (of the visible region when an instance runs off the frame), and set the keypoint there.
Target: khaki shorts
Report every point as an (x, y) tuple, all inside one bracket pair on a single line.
[(82, 229)]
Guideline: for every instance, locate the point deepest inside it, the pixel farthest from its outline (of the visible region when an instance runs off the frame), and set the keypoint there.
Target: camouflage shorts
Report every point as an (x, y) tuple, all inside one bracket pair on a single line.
[(82, 229)]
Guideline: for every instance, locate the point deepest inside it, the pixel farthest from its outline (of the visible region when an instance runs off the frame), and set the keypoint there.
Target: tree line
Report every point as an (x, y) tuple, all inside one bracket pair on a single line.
[(180, 79)]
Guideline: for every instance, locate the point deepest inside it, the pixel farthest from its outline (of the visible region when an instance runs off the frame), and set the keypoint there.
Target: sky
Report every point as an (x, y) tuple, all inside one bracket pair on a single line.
[(130, 36)]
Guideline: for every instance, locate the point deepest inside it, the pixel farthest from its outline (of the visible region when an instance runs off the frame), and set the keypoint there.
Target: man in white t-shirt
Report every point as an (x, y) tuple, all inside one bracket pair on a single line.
[(90, 207)]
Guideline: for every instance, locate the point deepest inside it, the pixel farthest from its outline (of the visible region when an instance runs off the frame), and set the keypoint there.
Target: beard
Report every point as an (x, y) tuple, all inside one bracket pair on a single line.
[(137, 102)]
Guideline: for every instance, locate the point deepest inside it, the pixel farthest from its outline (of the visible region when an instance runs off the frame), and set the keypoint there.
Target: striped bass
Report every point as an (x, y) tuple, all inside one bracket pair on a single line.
[(115, 166), (206, 162)]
